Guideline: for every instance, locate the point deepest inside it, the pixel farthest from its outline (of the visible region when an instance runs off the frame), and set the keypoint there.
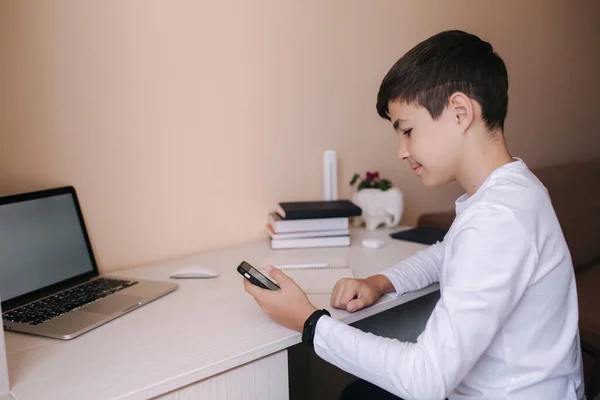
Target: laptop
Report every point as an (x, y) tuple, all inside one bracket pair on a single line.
[(49, 281)]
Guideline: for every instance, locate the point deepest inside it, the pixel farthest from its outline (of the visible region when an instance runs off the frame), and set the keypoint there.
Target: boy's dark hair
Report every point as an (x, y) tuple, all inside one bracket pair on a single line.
[(449, 62)]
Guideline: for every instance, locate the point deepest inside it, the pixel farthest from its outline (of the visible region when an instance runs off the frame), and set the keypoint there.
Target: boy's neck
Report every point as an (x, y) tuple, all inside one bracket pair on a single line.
[(484, 154)]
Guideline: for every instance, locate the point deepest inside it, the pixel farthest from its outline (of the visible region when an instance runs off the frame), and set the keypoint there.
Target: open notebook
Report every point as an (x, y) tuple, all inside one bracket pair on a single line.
[(316, 277)]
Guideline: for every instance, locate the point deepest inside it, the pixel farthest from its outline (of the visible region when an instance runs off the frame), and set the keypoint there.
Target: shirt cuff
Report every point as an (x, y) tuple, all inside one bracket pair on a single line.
[(393, 277), (324, 325)]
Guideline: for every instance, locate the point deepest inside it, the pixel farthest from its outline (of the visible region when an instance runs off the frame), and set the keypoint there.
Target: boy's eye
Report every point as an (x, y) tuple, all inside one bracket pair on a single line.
[(407, 132)]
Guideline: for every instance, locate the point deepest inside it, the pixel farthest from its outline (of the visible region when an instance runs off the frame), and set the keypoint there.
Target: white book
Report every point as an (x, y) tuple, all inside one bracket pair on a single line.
[(296, 235), (281, 225), (302, 243)]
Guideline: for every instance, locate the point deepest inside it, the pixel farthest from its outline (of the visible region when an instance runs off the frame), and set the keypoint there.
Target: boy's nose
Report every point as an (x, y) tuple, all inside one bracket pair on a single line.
[(403, 152)]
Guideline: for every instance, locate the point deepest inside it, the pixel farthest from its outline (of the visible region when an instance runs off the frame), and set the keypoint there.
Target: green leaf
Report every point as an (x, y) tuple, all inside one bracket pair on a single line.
[(384, 184), (354, 179)]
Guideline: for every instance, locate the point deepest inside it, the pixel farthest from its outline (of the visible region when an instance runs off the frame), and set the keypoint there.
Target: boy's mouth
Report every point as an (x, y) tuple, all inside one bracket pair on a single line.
[(415, 167)]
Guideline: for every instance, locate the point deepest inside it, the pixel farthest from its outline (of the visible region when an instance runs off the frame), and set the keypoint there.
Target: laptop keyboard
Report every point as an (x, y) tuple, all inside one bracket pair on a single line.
[(50, 307)]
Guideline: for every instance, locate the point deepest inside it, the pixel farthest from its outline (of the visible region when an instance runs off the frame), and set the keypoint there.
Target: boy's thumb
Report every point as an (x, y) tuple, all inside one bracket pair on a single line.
[(355, 305), (277, 274)]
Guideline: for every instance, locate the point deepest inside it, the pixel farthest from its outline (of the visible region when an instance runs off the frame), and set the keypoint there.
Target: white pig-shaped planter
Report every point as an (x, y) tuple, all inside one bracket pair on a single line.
[(379, 207)]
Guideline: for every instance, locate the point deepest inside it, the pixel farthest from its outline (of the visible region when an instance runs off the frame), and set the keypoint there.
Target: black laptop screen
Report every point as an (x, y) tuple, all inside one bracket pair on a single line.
[(41, 243)]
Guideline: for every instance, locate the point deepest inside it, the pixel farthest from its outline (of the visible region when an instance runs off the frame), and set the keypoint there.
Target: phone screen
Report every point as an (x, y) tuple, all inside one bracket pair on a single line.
[(254, 276)]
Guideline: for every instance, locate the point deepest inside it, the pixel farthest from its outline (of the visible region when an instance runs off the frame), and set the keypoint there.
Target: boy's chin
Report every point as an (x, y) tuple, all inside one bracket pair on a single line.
[(433, 181)]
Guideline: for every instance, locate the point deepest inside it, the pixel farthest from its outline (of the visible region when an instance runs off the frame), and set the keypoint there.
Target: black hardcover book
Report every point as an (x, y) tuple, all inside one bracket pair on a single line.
[(422, 235), (318, 209)]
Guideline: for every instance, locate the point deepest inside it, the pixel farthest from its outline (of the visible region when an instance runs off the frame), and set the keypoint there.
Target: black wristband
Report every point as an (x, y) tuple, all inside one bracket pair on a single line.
[(310, 326)]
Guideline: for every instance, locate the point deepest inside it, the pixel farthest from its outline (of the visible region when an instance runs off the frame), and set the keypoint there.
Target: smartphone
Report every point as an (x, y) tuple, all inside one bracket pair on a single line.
[(254, 276)]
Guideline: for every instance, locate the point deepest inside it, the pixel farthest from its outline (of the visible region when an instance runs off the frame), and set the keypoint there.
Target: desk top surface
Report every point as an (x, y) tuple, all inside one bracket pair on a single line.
[(205, 327)]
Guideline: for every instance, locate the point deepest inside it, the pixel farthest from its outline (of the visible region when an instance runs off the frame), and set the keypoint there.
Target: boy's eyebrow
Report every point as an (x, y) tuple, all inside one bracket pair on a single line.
[(397, 123)]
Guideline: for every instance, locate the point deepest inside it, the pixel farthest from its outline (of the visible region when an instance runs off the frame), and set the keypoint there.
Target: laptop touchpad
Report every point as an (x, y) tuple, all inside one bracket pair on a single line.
[(112, 304)]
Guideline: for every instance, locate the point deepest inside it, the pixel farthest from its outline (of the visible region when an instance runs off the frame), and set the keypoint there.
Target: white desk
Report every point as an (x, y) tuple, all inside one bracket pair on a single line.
[(205, 340), (4, 385)]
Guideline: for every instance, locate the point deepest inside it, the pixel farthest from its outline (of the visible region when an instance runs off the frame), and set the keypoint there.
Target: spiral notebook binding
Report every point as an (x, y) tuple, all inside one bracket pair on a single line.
[(311, 266)]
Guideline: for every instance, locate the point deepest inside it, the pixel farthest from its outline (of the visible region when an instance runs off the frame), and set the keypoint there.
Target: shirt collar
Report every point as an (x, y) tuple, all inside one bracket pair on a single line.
[(464, 201)]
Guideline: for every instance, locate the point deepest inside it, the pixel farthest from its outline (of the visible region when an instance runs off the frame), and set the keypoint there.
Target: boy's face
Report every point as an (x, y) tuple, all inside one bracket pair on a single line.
[(432, 148)]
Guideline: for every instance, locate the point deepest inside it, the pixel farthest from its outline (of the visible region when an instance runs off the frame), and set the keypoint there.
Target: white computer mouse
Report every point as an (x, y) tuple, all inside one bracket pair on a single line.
[(373, 243), (194, 271)]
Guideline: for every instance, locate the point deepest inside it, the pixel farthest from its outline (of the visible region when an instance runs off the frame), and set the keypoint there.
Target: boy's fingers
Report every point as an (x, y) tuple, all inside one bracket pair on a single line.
[(247, 285), (333, 300), (338, 293), (260, 295), (252, 289), (349, 292)]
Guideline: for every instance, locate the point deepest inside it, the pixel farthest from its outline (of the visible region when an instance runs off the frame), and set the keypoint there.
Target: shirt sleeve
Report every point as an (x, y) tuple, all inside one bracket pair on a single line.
[(488, 266), (418, 271)]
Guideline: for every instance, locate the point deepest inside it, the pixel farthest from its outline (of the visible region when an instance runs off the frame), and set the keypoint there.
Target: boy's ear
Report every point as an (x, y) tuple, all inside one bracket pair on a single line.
[(460, 104)]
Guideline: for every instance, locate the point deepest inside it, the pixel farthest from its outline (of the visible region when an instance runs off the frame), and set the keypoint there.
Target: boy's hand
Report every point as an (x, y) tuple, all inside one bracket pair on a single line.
[(289, 306), (355, 294)]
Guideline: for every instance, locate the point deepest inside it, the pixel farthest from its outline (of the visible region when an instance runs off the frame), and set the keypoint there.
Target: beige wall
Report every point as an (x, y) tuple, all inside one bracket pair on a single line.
[(182, 123)]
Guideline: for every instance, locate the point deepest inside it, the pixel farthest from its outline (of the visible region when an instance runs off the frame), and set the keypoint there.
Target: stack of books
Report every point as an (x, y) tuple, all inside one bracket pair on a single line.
[(311, 224)]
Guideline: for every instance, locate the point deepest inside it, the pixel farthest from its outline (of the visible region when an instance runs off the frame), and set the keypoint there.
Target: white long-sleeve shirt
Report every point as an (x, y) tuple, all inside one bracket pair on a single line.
[(506, 324)]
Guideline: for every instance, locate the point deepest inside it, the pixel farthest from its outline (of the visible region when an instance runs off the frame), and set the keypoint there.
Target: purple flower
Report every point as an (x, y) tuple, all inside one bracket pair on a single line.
[(370, 176)]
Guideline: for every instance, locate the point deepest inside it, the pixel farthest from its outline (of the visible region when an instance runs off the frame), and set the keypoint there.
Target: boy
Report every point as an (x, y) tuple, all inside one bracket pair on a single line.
[(506, 324)]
